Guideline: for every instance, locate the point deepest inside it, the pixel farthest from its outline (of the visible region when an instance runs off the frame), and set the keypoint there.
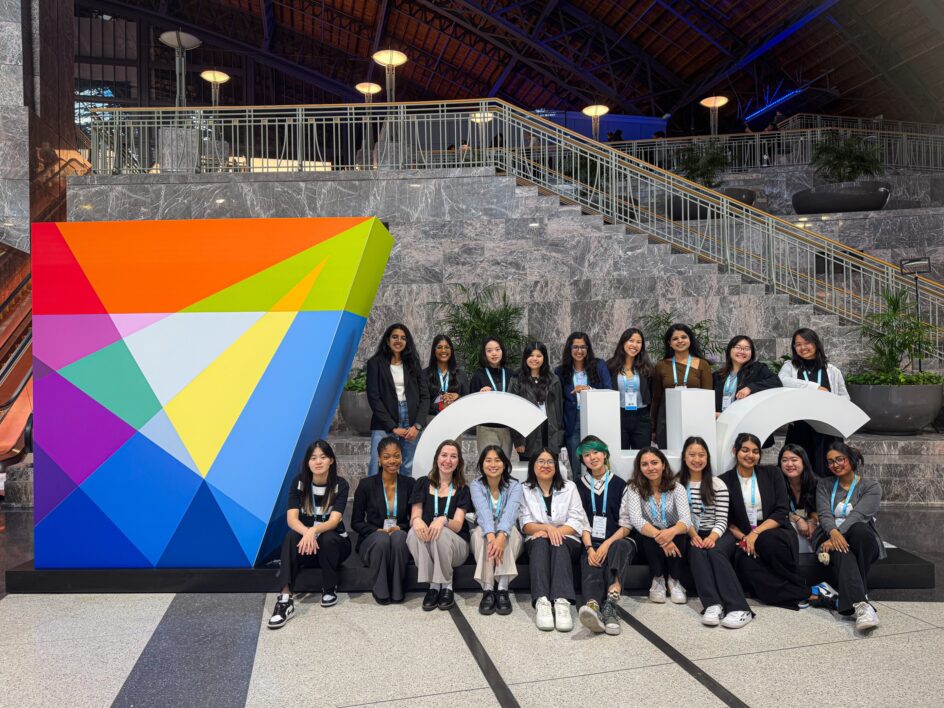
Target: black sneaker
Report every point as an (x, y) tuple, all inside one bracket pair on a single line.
[(431, 601), (503, 603), (329, 598), (446, 599), (487, 605), (283, 612)]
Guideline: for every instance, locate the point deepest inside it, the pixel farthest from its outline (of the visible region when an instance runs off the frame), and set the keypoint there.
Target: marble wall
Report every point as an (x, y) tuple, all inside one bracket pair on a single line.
[(14, 129)]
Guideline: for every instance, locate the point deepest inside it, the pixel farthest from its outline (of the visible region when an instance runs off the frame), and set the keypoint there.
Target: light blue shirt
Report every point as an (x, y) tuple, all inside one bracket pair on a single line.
[(483, 506)]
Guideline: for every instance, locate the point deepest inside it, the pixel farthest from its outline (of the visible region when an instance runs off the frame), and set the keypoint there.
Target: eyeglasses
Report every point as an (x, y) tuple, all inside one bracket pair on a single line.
[(544, 463), (746, 350), (836, 461), (578, 347)]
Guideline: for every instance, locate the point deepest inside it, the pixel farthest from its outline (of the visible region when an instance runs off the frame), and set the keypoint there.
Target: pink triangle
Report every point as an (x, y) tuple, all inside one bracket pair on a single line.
[(60, 340), (128, 324)]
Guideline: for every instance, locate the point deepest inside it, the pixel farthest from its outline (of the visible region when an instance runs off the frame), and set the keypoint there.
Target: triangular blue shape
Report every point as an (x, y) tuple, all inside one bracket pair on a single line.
[(248, 528), (162, 433), (203, 538), (77, 534)]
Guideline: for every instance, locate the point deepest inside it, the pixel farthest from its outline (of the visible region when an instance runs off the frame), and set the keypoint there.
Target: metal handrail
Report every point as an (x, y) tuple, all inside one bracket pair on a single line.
[(818, 120), (623, 188)]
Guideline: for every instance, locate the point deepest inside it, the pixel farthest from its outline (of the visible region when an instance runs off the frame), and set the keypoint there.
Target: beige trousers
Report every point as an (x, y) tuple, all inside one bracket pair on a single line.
[(486, 571), (436, 559)]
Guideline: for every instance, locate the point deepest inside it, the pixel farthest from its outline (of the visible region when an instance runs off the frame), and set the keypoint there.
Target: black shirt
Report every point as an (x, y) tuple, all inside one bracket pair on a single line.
[(297, 495), (458, 383), (812, 371), (461, 499), (547, 503), (613, 500), (370, 505)]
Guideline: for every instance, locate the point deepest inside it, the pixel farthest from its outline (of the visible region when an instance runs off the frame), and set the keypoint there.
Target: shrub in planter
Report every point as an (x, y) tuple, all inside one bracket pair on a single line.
[(704, 164), (843, 161), (482, 311), (355, 410)]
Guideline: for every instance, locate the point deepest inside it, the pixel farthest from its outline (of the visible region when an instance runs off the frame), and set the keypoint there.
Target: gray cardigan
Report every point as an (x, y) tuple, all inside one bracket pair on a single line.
[(866, 500)]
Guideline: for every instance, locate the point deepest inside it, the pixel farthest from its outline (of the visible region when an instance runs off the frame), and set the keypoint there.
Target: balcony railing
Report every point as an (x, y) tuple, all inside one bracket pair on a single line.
[(800, 121)]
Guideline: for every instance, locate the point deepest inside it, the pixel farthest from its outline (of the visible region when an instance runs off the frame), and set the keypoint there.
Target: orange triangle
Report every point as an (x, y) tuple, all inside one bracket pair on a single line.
[(293, 300)]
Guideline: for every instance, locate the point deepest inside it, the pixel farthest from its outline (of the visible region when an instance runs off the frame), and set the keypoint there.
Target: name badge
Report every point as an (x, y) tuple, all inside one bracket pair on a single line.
[(725, 402), (752, 516), (631, 400), (599, 527), (839, 521), (389, 523), (681, 386), (543, 407)]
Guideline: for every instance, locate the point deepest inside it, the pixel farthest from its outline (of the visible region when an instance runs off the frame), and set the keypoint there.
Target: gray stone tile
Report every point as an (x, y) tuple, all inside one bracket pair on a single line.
[(10, 11), (11, 43)]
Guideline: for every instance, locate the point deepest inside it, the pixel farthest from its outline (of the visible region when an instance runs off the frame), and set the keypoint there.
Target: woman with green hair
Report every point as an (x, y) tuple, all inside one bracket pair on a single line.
[(607, 546)]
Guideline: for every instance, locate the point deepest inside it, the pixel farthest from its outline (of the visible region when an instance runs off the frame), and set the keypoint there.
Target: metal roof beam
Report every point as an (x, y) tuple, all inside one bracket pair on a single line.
[(268, 23), (383, 12)]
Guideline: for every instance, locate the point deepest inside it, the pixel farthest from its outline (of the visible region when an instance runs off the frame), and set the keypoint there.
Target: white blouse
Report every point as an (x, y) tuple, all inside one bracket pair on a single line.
[(566, 508)]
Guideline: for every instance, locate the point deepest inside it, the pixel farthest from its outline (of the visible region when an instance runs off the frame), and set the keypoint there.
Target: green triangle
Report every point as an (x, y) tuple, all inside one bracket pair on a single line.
[(112, 377)]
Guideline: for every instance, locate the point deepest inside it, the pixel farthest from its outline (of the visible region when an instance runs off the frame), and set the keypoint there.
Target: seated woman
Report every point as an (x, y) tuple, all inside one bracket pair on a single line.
[(607, 546), (711, 545), (657, 507), (439, 533), (767, 560), (316, 537), (551, 518), (801, 493), (381, 517), (847, 505), (496, 541)]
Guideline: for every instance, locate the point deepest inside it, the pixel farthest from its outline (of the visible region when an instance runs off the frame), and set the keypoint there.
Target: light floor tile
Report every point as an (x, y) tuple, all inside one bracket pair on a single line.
[(519, 649), (773, 628), (359, 652), (480, 698), (900, 670), (930, 612), (651, 686)]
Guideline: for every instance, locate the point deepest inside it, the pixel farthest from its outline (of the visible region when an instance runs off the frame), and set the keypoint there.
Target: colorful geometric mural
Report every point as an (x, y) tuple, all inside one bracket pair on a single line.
[(181, 368)]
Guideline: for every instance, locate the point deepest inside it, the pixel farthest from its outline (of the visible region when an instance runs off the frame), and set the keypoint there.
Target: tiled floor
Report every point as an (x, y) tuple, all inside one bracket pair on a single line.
[(214, 650)]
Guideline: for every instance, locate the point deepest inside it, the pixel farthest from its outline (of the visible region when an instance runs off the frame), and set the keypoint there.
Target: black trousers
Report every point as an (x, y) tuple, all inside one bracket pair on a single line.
[(635, 429), (386, 554), (714, 576), (850, 570), (661, 565), (772, 577), (551, 569), (595, 581), (333, 550)]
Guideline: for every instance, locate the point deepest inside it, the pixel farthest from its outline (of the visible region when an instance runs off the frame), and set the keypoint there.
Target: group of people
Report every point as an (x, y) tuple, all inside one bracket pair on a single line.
[(722, 536)]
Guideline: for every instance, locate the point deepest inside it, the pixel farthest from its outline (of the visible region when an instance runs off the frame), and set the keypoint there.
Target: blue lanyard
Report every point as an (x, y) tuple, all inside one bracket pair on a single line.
[(443, 382), (753, 488), (652, 510), (492, 381), (688, 490), (688, 367), (606, 493), (496, 510), (395, 500), (832, 500), (730, 384), (436, 502), (793, 507), (629, 384), (819, 377)]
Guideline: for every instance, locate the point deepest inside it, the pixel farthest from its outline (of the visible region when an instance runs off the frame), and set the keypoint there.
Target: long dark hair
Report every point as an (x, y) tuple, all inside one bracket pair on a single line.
[(590, 362), (810, 336), (694, 348), (483, 362), (540, 389), (728, 366), (807, 478), (458, 477), (743, 438), (411, 360), (642, 364), (506, 465), (532, 480), (854, 455), (306, 476), (638, 480), (706, 488), (434, 362)]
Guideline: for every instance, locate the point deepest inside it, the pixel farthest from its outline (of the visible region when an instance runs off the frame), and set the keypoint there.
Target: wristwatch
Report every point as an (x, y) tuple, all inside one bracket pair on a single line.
[(418, 426)]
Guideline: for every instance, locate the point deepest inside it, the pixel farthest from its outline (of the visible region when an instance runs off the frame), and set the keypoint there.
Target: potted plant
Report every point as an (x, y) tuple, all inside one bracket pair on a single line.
[(355, 410), (479, 312), (842, 161), (899, 400), (704, 163)]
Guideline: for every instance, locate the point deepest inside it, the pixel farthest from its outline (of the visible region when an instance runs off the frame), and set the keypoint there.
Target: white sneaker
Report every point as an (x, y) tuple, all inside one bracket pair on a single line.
[(562, 618), (865, 617), (657, 590), (677, 592), (712, 616), (736, 619), (591, 618), (544, 617)]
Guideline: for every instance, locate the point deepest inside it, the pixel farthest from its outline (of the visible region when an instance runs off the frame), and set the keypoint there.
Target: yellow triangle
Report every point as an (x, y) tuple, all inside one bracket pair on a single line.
[(293, 300), (206, 410)]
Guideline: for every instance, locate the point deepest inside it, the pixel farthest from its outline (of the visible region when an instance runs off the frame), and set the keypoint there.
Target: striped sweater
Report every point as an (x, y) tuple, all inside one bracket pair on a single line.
[(636, 512), (710, 518)]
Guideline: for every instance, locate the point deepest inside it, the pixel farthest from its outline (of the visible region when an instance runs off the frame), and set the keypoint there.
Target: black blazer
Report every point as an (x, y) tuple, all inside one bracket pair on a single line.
[(645, 385), (382, 395), (458, 383), (773, 497), (370, 506), (757, 376)]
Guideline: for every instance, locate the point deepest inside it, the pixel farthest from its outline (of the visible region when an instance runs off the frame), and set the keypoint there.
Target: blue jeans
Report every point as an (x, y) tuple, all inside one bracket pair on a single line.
[(571, 442), (409, 446)]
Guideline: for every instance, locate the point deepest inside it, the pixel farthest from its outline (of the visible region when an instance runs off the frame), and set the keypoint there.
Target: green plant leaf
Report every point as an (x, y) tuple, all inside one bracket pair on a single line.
[(839, 158), (481, 311)]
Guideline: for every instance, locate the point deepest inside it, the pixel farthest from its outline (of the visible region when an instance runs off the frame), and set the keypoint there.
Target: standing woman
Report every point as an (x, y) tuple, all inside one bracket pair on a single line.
[(381, 518), (492, 376), (397, 393), (579, 371), (446, 381), (810, 368), (766, 561), (847, 505), (552, 519), (631, 374), (711, 547), (683, 366), (657, 506), (536, 383), (607, 546), (439, 533), (496, 541), (316, 537), (801, 493), (741, 375)]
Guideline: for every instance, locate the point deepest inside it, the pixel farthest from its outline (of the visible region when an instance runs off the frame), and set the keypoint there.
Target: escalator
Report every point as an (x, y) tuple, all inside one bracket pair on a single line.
[(16, 375)]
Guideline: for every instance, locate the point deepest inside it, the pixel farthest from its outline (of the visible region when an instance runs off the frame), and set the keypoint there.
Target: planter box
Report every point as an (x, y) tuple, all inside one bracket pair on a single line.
[(897, 410), (842, 197), (355, 411)]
